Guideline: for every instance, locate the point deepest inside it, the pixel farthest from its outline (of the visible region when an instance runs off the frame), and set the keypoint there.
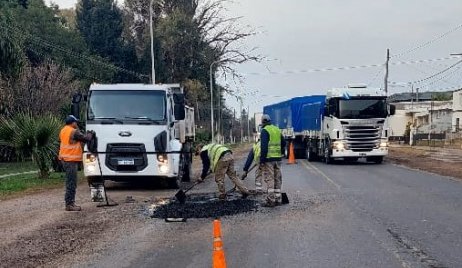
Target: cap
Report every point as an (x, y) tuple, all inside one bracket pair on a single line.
[(265, 118), (71, 119)]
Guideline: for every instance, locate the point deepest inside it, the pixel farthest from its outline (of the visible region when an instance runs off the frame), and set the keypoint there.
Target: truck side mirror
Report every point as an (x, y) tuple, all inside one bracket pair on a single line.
[(179, 109), (75, 106), (392, 109)]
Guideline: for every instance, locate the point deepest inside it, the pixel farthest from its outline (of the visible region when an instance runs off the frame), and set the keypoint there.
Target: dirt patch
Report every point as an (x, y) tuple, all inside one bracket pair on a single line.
[(438, 162)]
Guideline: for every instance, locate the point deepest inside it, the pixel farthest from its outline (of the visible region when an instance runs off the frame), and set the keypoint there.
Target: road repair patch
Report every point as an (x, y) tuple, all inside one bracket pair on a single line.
[(202, 206)]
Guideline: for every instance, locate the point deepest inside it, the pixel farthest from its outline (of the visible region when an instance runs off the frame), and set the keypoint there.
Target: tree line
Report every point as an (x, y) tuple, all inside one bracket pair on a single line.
[(48, 53)]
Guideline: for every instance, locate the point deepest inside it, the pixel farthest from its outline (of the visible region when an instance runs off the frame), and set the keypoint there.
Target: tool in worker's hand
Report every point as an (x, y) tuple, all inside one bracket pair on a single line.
[(246, 173), (181, 195)]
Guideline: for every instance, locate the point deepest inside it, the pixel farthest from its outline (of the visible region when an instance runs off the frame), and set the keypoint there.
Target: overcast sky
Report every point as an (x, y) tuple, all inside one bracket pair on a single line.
[(300, 35)]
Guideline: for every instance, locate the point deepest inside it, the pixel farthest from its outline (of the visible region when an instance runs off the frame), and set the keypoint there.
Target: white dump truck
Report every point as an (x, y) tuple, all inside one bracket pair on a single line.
[(142, 131)]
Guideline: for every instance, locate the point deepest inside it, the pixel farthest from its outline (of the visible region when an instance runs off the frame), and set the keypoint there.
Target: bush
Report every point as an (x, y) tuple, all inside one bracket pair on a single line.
[(32, 137)]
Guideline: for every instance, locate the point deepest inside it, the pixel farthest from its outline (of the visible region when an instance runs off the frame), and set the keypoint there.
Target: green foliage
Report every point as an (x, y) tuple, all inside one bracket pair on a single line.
[(32, 137), (21, 183)]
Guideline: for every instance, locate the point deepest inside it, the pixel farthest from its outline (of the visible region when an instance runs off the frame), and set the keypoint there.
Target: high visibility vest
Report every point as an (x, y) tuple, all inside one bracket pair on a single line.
[(274, 145), (256, 152), (69, 150), (214, 151)]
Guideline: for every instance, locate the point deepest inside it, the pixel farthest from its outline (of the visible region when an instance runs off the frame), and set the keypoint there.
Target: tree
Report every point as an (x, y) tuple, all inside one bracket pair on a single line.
[(35, 137), (100, 23), (38, 90)]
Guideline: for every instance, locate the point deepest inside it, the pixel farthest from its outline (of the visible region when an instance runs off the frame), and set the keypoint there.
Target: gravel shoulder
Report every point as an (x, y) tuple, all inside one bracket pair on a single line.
[(442, 161), (36, 231)]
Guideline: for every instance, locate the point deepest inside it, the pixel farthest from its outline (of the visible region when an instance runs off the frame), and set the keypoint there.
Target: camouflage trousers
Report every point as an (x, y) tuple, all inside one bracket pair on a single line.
[(271, 172), (258, 180), (225, 166)]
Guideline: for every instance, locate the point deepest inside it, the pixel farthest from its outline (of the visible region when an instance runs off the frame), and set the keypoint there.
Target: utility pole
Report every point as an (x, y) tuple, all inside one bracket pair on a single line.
[(386, 71), (212, 129), (153, 70), (417, 95), (241, 121), (412, 95), (248, 122)]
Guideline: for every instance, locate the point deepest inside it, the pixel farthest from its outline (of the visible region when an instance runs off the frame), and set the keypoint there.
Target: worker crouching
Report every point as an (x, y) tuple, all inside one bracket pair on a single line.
[(219, 159)]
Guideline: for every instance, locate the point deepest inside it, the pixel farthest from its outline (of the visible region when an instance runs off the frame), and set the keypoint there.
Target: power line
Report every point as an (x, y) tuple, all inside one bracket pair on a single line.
[(428, 42), (41, 42), (438, 73), (347, 68)]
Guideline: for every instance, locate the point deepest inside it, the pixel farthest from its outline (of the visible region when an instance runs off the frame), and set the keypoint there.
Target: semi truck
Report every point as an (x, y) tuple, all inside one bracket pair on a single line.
[(142, 131), (345, 124)]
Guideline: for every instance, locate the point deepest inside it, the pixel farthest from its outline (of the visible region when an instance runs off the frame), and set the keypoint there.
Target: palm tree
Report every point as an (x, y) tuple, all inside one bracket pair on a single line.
[(32, 137)]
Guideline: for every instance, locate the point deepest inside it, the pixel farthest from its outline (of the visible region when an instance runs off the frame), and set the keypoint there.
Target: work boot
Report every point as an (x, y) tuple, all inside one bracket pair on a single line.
[(73, 207), (269, 204), (222, 197)]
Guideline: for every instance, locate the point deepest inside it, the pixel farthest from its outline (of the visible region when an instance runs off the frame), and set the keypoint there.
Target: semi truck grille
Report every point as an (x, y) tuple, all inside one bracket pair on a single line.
[(362, 138), (126, 157)]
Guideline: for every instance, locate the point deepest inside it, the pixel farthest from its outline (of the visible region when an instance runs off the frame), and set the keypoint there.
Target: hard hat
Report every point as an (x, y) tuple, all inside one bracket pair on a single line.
[(265, 118)]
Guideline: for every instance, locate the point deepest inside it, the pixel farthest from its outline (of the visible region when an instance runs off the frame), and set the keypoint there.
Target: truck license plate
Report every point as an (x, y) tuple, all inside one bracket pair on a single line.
[(126, 162), (362, 154)]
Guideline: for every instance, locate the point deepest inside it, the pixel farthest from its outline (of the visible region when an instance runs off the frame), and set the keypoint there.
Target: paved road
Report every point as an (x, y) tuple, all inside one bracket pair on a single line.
[(357, 215)]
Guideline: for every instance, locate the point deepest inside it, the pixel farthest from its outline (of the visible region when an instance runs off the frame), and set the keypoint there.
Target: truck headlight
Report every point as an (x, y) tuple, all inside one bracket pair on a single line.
[(162, 158), (90, 158), (163, 168), (338, 145), (384, 144)]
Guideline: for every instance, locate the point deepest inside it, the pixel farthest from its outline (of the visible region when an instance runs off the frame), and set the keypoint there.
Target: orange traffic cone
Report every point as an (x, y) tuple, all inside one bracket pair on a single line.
[(291, 154), (218, 252)]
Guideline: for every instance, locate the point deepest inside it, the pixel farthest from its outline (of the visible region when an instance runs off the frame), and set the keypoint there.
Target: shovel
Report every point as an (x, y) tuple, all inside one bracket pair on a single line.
[(242, 178), (284, 199), (181, 195)]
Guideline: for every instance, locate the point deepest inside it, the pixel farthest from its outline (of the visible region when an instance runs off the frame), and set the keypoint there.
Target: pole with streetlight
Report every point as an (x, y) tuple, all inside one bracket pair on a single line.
[(211, 99), (153, 77)]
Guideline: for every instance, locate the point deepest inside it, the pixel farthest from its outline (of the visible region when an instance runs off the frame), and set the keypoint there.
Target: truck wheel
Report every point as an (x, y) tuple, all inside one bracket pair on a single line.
[(327, 159), (187, 171), (310, 155), (377, 159)]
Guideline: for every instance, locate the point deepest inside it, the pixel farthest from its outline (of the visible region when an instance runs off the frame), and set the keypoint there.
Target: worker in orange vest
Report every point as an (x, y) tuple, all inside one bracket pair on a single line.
[(70, 154)]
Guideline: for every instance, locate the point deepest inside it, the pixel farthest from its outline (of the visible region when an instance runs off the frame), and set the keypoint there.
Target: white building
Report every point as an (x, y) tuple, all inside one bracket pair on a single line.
[(425, 116), (457, 110)]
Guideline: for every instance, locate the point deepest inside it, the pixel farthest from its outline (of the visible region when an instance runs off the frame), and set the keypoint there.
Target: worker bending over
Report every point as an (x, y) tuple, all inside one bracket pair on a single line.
[(219, 159)]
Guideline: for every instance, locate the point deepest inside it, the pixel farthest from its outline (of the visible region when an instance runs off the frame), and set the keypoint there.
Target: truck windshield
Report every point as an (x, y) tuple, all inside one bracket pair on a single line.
[(362, 108), (127, 105)]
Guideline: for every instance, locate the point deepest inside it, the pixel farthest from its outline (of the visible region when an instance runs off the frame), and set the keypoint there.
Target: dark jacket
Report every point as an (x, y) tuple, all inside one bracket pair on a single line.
[(264, 138), (249, 160)]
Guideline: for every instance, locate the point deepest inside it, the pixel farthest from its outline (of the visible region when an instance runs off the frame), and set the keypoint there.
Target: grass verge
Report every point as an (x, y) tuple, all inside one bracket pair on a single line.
[(16, 184), (16, 167)]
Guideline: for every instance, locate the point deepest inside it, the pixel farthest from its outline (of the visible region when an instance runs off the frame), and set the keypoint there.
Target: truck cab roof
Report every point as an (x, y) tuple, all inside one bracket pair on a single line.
[(351, 92), (163, 87)]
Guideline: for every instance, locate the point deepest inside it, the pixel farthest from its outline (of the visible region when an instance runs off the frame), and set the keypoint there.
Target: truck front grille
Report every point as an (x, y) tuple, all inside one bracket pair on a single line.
[(126, 157), (362, 138)]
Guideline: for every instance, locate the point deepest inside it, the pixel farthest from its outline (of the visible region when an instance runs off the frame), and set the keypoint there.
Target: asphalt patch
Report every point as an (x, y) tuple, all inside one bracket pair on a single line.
[(202, 206)]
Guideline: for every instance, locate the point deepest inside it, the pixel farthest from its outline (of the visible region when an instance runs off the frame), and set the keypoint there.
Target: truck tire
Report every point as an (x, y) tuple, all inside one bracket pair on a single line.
[(376, 159), (327, 159), (310, 155)]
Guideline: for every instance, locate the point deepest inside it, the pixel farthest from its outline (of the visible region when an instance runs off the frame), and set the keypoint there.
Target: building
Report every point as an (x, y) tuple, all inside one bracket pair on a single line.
[(457, 110), (425, 116)]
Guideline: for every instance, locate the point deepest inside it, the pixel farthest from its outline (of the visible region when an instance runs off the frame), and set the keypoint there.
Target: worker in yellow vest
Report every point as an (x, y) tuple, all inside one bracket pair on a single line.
[(254, 158), (272, 145), (219, 159), (70, 154)]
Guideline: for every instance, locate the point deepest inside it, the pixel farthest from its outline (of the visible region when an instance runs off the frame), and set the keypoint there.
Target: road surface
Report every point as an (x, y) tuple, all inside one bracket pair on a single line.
[(343, 215)]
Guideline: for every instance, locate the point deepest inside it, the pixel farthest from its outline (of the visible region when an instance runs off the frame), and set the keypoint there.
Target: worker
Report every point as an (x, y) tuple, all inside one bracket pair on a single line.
[(70, 154), (254, 157), (272, 146), (219, 159)]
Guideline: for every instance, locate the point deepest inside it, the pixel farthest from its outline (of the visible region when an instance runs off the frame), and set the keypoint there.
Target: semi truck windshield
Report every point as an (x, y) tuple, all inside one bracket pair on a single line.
[(127, 105), (362, 108)]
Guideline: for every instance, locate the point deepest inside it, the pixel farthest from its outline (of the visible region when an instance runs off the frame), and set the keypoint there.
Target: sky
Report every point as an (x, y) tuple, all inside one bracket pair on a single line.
[(300, 36)]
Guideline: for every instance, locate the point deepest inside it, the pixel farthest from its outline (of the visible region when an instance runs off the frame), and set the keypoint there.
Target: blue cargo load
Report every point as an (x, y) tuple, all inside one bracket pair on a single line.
[(300, 113)]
